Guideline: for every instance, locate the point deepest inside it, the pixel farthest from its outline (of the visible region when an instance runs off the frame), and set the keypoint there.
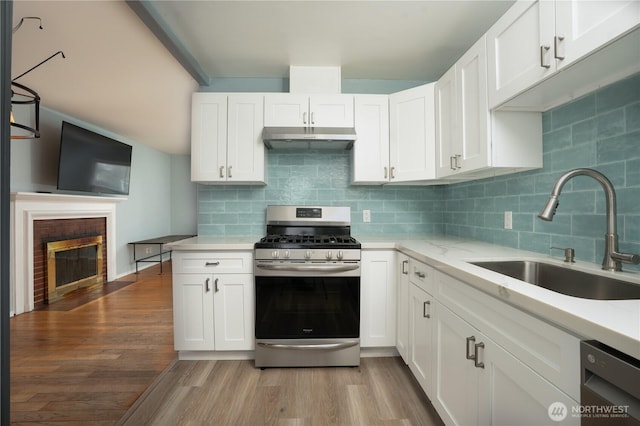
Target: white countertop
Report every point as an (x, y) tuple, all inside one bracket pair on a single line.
[(613, 322)]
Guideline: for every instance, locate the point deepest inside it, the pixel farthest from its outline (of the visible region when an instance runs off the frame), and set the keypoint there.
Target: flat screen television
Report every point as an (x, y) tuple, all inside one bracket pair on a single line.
[(92, 163)]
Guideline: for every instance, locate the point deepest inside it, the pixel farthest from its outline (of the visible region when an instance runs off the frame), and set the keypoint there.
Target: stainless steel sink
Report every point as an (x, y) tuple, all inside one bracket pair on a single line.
[(565, 280)]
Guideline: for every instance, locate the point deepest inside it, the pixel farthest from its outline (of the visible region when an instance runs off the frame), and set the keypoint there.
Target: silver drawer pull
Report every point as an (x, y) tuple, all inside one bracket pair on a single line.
[(473, 340), (424, 309), (476, 357), (216, 263)]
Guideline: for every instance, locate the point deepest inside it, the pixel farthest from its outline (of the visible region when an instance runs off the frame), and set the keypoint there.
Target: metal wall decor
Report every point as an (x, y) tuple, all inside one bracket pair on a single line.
[(23, 95)]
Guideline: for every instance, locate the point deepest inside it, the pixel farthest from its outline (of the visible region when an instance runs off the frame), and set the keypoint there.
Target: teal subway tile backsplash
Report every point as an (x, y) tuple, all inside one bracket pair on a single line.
[(319, 178), (600, 130)]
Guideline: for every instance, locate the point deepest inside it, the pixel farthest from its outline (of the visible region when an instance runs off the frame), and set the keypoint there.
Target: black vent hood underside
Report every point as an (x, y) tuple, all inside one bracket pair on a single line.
[(326, 138)]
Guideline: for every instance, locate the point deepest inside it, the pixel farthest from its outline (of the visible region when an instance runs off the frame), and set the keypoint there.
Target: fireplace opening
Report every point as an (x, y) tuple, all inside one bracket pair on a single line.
[(72, 264)]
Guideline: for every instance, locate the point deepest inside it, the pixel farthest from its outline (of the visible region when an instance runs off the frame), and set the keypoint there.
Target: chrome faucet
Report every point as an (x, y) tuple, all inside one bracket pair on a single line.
[(613, 259)]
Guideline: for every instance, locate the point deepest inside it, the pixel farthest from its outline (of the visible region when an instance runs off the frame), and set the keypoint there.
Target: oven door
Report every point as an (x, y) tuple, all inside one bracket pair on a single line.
[(309, 320)]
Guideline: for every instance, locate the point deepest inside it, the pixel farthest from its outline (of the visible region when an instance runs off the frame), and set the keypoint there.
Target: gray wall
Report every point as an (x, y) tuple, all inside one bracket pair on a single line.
[(156, 179)]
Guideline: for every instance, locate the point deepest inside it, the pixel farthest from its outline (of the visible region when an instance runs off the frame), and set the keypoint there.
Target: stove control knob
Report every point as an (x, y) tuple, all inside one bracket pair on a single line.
[(287, 254), (307, 254), (329, 255), (340, 255), (275, 254)]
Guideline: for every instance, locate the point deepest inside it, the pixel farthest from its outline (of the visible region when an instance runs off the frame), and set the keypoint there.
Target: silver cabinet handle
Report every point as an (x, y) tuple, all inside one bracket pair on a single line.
[(424, 309), (385, 172), (405, 271), (543, 50), (206, 285), (304, 118), (229, 171), (476, 357), (471, 339), (452, 162), (556, 47), (420, 274), (458, 157), (393, 172), (313, 119), (221, 171), (216, 263), (215, 285)]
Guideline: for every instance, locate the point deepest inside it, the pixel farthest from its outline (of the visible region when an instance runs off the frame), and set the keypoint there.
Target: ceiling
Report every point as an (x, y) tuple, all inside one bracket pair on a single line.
[(119, 76)]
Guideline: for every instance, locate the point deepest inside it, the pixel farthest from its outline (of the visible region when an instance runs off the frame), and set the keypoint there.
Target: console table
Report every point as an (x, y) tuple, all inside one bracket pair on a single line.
[(158, 243)]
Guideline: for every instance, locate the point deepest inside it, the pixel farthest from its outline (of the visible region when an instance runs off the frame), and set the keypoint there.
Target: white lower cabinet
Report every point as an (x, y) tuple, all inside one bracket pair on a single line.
[(402, 318), (481, 361), (421, 320), (213, 311), (378, 298), (478, 382)]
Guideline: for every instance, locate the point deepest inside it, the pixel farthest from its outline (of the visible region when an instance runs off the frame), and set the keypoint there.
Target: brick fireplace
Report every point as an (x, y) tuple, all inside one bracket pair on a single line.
[(37, 216), (60, 230)]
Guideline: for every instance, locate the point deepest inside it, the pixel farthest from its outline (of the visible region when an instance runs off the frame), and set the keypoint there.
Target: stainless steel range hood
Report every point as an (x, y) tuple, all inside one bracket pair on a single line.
[(325, 138)]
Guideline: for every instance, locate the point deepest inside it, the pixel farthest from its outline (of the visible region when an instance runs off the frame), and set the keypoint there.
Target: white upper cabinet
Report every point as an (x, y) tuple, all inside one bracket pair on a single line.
[(462, 115), (519, 49), (534, 39), (412, 134), (208, 136), (472, 141), (370, 152), (295, 110), (226, 138), (582, 26)]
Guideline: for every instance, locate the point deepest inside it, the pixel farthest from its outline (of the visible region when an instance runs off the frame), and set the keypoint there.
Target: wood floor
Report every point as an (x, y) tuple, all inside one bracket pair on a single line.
[(88, 365), (379, 392), (111, 361)]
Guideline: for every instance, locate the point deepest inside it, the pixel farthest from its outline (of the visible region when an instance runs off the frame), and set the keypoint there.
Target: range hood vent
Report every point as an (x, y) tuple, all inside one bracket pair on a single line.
[(325, 138)]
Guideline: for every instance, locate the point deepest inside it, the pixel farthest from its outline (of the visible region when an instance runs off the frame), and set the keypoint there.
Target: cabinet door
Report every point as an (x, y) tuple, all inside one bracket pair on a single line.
[(208, 137), (378, 299), (456, 376), (234, 311), (286, 110), (193, 312), (402, 318), (447, 135), (583, 26), (331, 111), (473, 109), (245, 149), (511, 393), (519, 49), (421, 322), (412, 130), (370, 153)]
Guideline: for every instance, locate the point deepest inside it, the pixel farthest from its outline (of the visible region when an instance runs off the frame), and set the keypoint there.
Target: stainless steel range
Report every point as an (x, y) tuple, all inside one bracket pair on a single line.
[(307, 283)]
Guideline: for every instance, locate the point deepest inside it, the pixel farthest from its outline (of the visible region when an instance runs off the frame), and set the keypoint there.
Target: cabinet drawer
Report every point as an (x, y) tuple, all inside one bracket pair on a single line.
[(421, 275), (212, 262), (551, 352)]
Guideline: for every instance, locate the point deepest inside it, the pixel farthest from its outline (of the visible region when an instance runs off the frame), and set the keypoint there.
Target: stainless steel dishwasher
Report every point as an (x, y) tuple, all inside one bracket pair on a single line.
[(610, 386)]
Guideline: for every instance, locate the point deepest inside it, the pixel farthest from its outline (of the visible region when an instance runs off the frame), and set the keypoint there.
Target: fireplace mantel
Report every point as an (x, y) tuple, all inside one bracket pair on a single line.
[(27, 207)]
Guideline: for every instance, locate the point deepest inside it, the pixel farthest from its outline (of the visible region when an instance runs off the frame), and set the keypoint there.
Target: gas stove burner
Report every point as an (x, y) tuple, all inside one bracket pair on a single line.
[(308, 239)]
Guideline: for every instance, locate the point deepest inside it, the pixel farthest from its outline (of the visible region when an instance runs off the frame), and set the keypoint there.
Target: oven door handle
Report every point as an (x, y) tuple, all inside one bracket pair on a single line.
[(314, 268), (310, 347)]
